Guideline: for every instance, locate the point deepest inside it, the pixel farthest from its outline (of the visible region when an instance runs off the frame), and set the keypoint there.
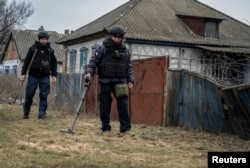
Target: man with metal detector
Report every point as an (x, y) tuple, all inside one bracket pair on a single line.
[(40, 62), (112, 59)]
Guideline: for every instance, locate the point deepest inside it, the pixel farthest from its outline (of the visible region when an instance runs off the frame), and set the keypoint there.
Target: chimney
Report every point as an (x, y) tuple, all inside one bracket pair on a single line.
[(66, 31), (41, 28)]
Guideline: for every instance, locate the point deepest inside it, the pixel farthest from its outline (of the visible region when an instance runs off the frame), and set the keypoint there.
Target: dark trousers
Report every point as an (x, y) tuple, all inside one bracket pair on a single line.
[(105, 101), (44, 90)]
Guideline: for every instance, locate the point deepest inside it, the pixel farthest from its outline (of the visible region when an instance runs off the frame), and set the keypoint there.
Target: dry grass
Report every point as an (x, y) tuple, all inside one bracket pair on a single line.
[(36, 143)]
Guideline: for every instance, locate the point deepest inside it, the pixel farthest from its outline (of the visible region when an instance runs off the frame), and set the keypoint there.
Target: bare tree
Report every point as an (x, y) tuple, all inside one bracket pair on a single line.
[(12, 15)]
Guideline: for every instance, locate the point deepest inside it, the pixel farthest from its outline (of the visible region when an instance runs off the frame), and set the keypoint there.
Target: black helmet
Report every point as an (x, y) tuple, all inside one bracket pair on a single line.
[(43, 34), (117, 30)]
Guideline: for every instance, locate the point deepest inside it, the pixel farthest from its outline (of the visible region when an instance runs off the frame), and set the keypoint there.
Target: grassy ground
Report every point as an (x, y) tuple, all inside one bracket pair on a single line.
[(39, 143)]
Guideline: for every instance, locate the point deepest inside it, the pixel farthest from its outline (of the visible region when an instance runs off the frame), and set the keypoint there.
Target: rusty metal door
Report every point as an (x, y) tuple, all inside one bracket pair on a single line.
[(147, 97)]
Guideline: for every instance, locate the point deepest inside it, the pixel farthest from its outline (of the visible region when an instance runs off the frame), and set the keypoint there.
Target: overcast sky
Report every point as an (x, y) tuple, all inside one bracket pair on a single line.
[(58, 15)]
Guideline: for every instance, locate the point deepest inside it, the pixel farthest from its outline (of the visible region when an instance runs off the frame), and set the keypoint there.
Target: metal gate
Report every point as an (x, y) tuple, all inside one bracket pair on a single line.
[(148, 96), (147, 99)]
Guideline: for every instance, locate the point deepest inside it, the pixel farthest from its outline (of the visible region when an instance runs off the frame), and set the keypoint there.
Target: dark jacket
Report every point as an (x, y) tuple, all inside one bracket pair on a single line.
[(98, 62), (43, 52)]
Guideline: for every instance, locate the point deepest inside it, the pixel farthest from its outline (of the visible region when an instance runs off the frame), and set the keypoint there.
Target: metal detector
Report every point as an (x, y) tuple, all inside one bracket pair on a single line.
[(86, 87), (21, 83)]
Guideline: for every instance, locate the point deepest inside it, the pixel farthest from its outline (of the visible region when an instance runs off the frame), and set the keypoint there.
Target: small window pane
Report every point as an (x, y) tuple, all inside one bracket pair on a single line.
[(211, 30), (83, 58), (72, 61), (14, 69), (7, 69)]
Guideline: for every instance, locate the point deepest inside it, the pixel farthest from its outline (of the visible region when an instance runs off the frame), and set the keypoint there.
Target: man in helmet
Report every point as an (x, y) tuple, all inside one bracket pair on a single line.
[(112, 61), (40, 62)]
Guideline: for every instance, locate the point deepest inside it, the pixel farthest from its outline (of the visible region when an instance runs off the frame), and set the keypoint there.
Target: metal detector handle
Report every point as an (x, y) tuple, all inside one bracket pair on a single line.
[(88, 82)]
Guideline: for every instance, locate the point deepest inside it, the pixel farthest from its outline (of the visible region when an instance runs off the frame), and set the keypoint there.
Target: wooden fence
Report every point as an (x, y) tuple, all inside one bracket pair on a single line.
[(197, 102)]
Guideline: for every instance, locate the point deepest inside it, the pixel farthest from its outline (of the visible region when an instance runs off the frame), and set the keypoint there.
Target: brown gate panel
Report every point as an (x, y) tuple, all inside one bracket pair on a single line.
[(147, 98), (147, 109)]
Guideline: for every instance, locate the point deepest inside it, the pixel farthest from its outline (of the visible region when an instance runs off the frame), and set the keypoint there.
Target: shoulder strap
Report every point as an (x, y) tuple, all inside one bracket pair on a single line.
[(50, 50), (32, 59), (33, 47)]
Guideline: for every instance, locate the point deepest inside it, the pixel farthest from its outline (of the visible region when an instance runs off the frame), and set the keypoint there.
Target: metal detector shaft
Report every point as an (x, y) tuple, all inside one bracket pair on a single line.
[(18, 91), (14, 101), (70, 129), (78, 109)]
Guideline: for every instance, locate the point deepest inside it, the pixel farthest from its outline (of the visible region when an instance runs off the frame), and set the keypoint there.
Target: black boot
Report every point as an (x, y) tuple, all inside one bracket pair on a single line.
[(26, 115)]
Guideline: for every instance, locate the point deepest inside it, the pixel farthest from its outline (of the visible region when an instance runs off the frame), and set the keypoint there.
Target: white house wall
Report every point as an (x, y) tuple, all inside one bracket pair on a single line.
[(180, 58), (59, 68)]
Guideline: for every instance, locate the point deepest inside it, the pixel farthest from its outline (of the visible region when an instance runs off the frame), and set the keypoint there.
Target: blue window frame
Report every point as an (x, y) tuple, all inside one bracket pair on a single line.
[(72, 61), (6, 70), (83, 58), (14, 69)]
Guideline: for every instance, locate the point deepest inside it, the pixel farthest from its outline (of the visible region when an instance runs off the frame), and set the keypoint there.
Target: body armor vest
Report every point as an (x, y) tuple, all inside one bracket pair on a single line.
[(42, 61), (114, 63)]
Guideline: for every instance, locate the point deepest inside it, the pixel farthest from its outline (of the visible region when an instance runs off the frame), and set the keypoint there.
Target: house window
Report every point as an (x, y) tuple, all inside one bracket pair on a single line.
[(14, 69), (202, 26), (83, 58), (211, 30), (72, 61), (6, 70)]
